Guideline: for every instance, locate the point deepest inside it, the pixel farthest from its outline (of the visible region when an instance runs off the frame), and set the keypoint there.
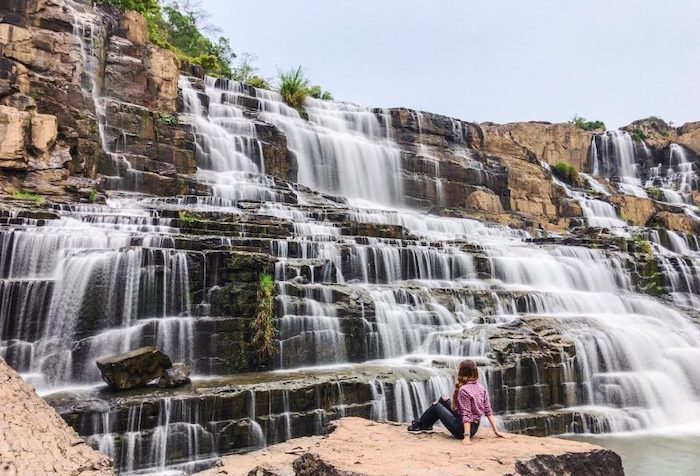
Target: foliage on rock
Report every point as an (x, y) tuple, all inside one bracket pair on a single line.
[(293, 86), (586, 125), (263, 326), (33, 197), (566, 172)]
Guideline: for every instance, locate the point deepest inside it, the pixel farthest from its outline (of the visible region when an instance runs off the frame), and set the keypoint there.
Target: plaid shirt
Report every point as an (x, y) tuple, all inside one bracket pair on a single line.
[(473, 402)]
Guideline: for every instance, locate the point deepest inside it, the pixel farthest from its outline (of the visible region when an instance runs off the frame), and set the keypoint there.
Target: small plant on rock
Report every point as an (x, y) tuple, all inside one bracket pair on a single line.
[(29, 196), (566, 172), (263, 326), (586, 125), (168, 119), (293, 87), (187, 218), (638, 135)]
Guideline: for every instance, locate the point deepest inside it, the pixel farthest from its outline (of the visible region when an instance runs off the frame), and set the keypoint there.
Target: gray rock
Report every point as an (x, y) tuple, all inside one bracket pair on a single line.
[(175, 376), (133, 369)]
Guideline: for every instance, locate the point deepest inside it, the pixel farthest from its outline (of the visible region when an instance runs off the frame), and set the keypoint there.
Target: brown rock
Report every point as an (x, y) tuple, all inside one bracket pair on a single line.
[(44, 131), (164, 74), (13, 137), (677, 222), (34, 439), (133, 27), (549, 143), (362, 447), (689, 136), (484, 201), (635, 210)]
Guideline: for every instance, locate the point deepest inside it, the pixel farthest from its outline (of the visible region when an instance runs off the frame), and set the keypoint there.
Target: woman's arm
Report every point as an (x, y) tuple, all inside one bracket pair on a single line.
[(467, 432), (494, 426)]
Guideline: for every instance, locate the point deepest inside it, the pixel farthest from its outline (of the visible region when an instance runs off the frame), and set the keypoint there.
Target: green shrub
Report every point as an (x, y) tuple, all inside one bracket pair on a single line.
[(247, 73), (29, 196), (640, 245), (318, 93), (586, 125), (566, 172), (263, 326), (188, 218), (168, 119), (293, 87), (638, 134), (92, 197)]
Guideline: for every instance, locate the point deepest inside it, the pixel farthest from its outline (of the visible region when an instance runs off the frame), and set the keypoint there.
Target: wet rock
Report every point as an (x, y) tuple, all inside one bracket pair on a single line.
[(596, 462), (175, 376), (133, 369)]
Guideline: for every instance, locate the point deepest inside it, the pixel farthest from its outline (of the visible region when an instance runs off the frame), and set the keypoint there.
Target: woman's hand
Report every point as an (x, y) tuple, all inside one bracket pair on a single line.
[(467, 441), (503, 435)]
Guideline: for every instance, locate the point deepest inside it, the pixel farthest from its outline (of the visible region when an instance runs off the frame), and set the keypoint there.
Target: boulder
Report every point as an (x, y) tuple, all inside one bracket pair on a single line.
[(133, 369), (175, 376)]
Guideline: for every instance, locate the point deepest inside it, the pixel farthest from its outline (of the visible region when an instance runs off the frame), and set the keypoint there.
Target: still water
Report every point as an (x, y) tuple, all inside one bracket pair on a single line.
[(653, 455)]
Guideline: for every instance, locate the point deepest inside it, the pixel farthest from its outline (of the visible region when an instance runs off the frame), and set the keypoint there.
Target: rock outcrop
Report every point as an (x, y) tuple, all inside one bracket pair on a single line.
[(34, 439), (357, 447), (135, 368)]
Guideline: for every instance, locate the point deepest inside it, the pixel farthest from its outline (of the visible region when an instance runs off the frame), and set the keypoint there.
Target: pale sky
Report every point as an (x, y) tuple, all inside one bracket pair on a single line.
[(491, 60)]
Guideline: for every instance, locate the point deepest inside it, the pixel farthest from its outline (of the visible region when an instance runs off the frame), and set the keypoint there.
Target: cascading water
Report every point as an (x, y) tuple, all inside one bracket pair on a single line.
[(391, 308)]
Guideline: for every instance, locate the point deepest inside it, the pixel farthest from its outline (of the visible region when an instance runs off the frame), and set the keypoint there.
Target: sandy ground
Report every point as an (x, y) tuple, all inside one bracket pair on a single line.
[(372, 448), (34, 439)]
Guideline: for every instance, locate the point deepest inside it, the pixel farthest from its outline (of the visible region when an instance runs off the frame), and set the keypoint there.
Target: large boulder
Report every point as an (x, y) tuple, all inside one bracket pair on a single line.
[(135, 368)]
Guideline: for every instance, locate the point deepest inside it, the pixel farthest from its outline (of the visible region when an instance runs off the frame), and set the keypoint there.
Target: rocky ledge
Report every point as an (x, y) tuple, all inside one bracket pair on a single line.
[(35, 440), (356, 447)]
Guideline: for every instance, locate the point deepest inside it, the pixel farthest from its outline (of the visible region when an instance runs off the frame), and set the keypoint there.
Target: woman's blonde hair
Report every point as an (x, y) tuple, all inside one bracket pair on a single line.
[(467, 372)]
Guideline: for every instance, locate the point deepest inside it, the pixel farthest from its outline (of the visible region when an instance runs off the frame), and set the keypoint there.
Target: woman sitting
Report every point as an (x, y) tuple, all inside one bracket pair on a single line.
[(470, 401)]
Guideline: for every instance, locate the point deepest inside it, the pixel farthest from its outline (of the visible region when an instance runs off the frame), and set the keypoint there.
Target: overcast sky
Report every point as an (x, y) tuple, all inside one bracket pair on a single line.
[(493, 60)]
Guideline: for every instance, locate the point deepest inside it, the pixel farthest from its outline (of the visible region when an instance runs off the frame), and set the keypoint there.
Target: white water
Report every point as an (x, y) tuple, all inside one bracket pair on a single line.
[(434, 299), (588, 292)]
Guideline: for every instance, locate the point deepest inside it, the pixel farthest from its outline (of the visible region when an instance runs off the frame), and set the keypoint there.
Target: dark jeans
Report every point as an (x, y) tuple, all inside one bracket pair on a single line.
[(441, 410)]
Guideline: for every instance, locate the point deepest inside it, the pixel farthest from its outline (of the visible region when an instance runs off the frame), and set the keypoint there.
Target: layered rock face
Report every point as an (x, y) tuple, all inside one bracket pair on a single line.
[(83, 96), (398, 243)]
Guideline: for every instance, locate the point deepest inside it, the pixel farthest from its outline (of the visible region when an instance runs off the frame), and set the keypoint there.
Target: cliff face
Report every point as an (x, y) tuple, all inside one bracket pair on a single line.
[(67, 71)]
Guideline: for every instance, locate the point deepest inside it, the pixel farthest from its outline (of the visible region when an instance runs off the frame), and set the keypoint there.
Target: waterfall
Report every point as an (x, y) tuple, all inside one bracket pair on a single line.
[(375, 303)]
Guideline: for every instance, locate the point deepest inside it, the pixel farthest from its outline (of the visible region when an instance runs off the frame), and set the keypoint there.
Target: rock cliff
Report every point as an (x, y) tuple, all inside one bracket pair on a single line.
[(35, 440)]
